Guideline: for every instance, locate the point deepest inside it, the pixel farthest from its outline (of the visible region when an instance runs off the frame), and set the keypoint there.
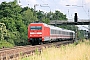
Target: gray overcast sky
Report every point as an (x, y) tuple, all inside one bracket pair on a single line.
[(83, 12)]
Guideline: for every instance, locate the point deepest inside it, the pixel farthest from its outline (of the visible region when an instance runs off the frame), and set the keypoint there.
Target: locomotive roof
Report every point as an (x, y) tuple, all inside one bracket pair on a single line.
[(54, 27)]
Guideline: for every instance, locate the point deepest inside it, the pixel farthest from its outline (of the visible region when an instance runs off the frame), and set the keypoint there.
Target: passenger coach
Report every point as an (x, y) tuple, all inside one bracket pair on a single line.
[(41, 32)]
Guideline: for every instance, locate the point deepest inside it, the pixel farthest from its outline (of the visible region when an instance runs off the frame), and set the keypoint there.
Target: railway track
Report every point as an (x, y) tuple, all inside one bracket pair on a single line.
[(20, 51)]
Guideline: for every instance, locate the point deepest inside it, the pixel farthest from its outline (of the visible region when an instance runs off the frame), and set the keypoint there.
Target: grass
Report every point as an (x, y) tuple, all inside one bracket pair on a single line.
[(81, 51)]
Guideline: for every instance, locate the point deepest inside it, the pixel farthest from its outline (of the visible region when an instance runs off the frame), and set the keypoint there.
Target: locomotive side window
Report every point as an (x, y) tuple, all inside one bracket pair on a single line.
[(36, 28)]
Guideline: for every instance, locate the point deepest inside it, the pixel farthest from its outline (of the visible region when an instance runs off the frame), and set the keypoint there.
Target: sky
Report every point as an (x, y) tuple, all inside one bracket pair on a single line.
[(81, 7)]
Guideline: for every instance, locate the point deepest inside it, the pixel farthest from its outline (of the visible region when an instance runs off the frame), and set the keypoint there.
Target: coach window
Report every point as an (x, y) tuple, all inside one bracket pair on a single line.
[(59, 32), (66, 33), (62, 32), (71, 33), (51, 31), (55, 31)]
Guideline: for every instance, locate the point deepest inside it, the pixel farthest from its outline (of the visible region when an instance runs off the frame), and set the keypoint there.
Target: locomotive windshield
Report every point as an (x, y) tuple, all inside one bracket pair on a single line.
[(36, 28)]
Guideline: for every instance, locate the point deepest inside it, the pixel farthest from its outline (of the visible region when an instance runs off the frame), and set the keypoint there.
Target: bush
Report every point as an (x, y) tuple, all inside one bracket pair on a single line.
[(5, 44)]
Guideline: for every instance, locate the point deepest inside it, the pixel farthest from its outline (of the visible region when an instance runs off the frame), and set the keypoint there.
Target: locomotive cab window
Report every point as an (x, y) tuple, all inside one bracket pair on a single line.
[(36, 28)]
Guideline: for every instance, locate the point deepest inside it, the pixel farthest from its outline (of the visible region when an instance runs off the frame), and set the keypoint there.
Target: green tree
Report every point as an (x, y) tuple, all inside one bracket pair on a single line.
[(28, 17), (45, 20), (40, 15), (10, 14), (56, 16)]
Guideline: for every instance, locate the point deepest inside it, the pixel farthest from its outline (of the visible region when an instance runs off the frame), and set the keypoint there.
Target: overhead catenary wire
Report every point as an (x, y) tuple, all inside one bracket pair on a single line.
[(85, 10), (42, 1), (44, 4)]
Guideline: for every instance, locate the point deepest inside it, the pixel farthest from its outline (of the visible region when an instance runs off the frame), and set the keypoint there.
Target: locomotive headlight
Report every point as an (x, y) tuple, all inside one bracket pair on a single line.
[(30, 38), (40, 38)]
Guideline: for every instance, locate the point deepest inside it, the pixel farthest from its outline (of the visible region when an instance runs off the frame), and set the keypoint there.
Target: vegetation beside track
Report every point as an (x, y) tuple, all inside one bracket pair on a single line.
[(76, 51), (5, 44)]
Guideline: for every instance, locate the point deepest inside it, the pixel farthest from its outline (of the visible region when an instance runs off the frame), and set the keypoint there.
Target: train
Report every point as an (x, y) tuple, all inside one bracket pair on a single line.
[(42, 32)]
